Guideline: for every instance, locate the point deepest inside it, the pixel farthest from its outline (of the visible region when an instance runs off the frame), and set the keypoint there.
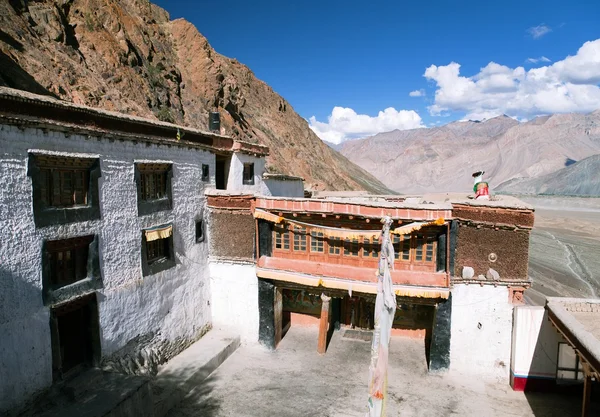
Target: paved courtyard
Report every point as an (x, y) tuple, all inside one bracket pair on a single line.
[(295, 381)]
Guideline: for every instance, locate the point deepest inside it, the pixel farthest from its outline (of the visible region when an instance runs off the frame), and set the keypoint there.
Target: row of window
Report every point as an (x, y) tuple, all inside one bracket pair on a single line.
[(65, 189), (417, 247)]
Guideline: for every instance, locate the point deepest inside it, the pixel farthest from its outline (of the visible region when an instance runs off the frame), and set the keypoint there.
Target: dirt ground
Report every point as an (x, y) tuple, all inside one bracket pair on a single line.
[(295, 381), (564, 248)]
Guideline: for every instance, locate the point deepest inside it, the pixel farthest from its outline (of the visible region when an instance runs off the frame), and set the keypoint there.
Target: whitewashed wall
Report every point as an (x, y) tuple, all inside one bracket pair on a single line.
[(481, 327), (236, 173), (534, 344), (283, 188), (234, 298), (170, 307)]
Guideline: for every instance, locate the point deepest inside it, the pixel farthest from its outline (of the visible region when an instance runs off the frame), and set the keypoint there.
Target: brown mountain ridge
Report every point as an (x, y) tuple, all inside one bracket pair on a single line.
[(127, 56)]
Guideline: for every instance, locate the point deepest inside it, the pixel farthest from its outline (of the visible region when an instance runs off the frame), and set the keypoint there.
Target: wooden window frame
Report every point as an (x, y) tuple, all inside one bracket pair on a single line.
[(148, 201), (317, 242), (86, 275), (300, 239), (578, 370), (248, 173), (65, 189), (156, 265)]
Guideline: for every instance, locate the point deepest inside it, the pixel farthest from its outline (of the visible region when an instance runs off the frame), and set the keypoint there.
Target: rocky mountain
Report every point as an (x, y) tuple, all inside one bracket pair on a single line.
[(443, 158), (581, 178), (128, 56)]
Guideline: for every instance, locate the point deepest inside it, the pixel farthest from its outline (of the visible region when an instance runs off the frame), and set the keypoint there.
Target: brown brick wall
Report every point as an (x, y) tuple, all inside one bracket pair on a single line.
[(232, 234), (474, 246), (498, 216)]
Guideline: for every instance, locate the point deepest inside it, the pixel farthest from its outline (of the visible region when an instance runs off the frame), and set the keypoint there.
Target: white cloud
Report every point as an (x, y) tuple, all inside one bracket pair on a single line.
[(570, 85), (344, 123), (537, 32), (417, 93), (536, 60)]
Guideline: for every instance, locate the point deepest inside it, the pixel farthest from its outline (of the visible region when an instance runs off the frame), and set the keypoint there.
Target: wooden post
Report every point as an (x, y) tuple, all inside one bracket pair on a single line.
[(323, 324), (278, 315), (587, 390)]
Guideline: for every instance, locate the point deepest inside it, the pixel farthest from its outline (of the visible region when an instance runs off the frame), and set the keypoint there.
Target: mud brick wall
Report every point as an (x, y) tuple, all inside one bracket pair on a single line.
[(495, 238), (232, 227)]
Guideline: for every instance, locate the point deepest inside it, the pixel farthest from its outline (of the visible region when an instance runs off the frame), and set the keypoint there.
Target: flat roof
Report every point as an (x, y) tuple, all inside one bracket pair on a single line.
[(22, 107), (578, 319)]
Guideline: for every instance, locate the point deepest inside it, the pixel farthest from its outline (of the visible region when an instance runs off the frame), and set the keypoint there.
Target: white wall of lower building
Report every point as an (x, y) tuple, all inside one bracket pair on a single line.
[(481, 328), (170, 307), (534, 344), (236, 173), (234, 298), (283, 188)]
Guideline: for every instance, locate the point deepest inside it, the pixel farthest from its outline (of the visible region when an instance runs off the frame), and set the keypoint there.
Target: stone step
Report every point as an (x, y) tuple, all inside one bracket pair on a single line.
[(187, 371)]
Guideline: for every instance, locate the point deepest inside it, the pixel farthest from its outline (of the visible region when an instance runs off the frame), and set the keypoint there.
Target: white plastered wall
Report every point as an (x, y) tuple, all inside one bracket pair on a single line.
[(236, 173), (534, 343), (480, 342), (172, 305), (283, 188), (234, 298)]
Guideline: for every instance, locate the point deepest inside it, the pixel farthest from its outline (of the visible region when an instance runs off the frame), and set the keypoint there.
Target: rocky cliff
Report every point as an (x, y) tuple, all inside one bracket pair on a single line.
[(127, 56)]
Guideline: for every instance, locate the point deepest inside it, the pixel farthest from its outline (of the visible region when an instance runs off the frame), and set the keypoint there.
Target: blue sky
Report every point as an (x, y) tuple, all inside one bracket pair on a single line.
[(363, 57)]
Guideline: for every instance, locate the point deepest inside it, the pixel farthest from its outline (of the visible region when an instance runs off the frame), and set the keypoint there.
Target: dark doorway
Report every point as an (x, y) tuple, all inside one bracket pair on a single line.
[(222, 171), (75, 336)]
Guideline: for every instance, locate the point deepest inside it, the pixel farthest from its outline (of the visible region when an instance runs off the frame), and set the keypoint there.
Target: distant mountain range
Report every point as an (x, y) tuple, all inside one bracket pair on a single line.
[(544, 155)]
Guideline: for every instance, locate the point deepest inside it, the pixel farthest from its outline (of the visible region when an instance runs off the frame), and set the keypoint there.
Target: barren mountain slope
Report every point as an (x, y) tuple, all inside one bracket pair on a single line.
[(581, 178), (443, 158), (126, 55)]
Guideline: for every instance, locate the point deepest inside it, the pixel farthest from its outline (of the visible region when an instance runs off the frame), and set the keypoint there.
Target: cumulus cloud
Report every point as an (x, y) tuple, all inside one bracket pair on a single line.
[(537, 32), (344, 123), (536, 60), (417, 93), (570, 85)]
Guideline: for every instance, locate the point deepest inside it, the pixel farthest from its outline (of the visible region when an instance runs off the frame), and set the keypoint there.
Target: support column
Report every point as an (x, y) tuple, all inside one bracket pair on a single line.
[(587, 390), (439, 349), (278, 315), (323, 324), (266, 310)]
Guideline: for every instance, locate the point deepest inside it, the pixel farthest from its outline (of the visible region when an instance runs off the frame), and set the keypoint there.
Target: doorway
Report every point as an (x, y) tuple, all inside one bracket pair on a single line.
[(75, 336), (222, 171)]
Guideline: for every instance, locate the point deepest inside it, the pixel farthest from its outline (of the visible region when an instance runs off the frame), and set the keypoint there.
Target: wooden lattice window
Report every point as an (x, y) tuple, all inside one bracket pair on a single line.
[(351, 247), (282, 238), (404, 248), (68, 260), (299, 239), (63, 181), (157, 250), (375, 248), (424, 248), (317, 242), (335, 245), (153, 181)]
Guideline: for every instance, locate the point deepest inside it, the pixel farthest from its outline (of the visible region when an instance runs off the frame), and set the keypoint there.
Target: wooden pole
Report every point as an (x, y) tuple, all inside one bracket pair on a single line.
[(587, 390), (323, 324)]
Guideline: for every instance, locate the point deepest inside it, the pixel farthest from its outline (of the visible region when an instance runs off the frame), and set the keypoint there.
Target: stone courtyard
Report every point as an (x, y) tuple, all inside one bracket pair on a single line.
[(295, 381)]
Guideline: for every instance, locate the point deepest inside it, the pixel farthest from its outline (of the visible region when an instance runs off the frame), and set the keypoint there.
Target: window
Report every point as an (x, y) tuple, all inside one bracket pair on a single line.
[(424, 248), (65, 189), (282, 238), (404, 247), (157, 249), (199, 231), (248, 178), (205, 173), (335, 245), (569, 367), (67, 260), (299, 239), (154, 187), (376, 248), (351, 247), (316, 242)]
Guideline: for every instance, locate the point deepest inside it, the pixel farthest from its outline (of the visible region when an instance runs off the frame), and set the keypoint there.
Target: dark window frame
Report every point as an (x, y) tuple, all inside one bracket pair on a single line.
[(154, 266), (54, 292), (248, 173), (142, 171), (44, 171), (200, 231), (205, 172)]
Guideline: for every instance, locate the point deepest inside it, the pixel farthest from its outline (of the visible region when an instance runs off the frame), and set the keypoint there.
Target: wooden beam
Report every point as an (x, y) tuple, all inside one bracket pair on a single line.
[(587, 390), (323, 324)]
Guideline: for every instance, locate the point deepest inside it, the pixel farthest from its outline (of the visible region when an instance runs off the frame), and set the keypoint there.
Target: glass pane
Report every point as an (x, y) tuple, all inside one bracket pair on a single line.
[(565, 375), (566, 356)]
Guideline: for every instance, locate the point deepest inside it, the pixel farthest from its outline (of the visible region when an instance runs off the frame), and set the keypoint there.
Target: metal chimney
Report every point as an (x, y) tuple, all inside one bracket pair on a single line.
[(214, 121)]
